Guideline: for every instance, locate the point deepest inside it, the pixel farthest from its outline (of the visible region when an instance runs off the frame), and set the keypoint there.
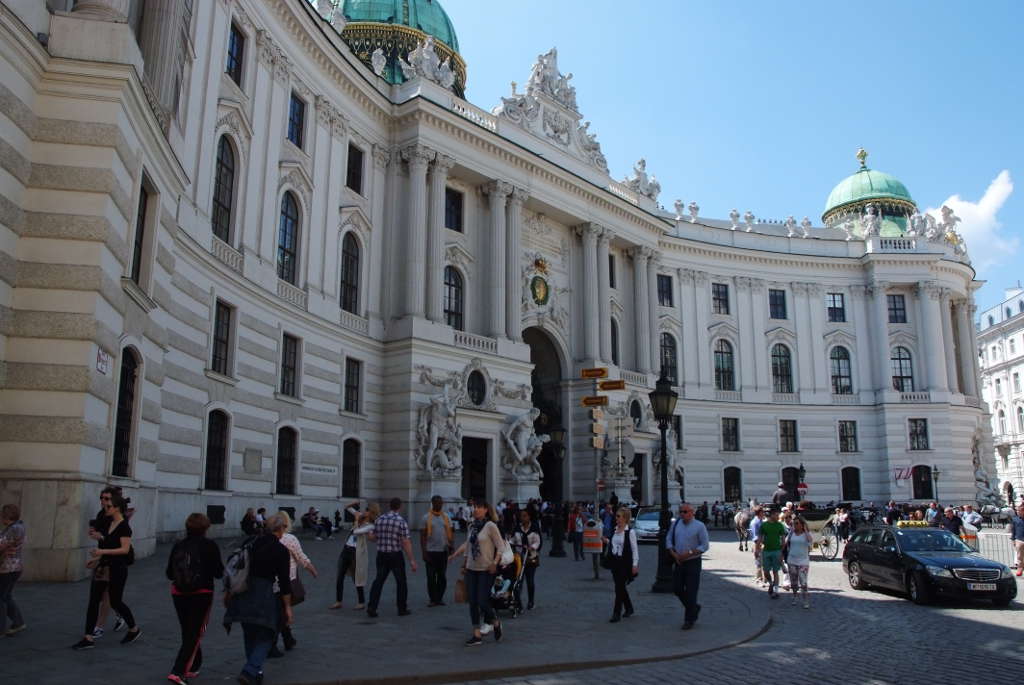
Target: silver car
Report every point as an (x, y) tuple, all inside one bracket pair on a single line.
[(646, 524)]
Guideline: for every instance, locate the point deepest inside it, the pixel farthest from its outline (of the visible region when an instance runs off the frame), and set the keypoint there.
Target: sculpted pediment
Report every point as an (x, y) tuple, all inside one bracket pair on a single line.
[(840, 338), (724, 328), (353, 215), (780, 333)]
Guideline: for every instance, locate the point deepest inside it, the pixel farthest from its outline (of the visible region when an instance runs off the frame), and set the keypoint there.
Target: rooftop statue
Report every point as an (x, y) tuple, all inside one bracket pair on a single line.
[(378, 61), (641, 183), (679, 207), (424, 62), (847, 227), (790, 226), (805, 226), (916, 225), (693, 208), (748, 219), (591, 148), (545, 78), (872, 222), (734, 219)]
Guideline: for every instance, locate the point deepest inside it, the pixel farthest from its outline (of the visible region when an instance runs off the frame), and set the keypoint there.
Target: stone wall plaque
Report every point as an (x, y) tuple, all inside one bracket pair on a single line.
[(252, 460)]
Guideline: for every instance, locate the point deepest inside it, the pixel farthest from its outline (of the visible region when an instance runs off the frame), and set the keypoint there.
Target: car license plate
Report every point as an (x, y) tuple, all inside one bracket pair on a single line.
[(982, 587)]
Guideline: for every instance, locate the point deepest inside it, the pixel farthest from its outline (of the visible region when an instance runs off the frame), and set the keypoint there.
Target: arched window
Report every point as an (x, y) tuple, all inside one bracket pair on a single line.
[(842, 380), (1002, 422), (1020, 419), (782, 369), (725, 378), (454, 305), (636, 413), (476, 387), (288, 240), (615, 342), (351, 453), (902, 370), (922, 482), (216, 450), (350, 274), (287, 451), (850, 476), (124, 422), (732, 478), (790, 478), (669, 365), (223, 190)]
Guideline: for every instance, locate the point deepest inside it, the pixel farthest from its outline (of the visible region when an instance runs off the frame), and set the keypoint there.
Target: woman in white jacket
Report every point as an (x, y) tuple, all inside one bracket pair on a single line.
[(353, 558)]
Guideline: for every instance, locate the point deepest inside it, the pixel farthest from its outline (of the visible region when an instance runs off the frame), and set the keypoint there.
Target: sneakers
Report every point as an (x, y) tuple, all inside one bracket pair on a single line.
[(97, 633), (1020, 571), (359, 607), (83, 644), (192, 674), (174, 678), (486, 628), (336, 605), (404, 612), (497, 633), (807, 605), (793, 602), (371, 613), (474, 641), (119, 624), (131, 636), (14, 630)]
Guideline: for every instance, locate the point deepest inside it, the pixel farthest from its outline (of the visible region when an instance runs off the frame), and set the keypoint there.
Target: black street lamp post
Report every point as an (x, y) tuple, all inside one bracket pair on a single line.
[(557, 515), (663, 402), (800, 475)]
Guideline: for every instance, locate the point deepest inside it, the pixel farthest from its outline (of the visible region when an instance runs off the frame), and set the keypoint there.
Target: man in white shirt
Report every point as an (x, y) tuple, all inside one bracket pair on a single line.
[(971, 517)]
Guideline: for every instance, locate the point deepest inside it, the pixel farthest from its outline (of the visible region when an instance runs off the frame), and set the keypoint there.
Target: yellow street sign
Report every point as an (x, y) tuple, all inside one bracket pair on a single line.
[(596, 414), (595, 401), (594, 373), (612, 385), (597, 442), (597, 428)]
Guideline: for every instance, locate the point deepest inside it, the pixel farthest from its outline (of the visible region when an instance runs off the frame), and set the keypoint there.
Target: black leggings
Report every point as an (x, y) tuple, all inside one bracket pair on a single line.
[(621, 576), (193, 613), (346, 561), (115, 589)]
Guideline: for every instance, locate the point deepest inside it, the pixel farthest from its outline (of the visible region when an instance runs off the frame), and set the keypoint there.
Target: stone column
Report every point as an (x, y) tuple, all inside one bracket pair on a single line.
[(652, 312), (102, 10), (383, 186), (862, 353), (513, 253), (641, 310), (702, 310), (972, 309), (804, 339), (968, 353), (758, 323), (880, 335), (930, 335), (589, 233), (689, 343), (435, 237), (419, 158), (161, 43), (946, 313), (604, 301), (816, 311), (498, 192), (744, 320)]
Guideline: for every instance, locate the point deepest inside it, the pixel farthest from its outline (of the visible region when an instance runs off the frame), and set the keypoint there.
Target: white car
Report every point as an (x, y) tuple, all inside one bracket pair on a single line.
[(646, 524)]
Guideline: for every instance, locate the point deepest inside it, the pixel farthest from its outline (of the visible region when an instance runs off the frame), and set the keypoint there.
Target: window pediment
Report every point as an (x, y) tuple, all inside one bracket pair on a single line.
[(355, 217), (839, 338)]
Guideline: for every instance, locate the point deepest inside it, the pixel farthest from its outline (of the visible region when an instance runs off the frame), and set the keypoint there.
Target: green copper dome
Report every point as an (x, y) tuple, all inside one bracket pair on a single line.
[(866, 184), (850, 199), (424, 15)]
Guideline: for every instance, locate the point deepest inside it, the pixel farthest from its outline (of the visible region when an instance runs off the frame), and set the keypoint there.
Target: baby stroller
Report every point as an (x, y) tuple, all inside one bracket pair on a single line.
[(505, 593)]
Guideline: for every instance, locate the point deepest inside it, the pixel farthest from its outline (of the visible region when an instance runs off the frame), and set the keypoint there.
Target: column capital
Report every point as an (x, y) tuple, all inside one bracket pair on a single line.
[(381, 155), (102, 10), (701, 277), (588, 232), (418, 155), (641, 252), (860, 291), (930, 289), (605, 238), (798, 287), (758, 285), (497, 189), (743, 283), (519, 196), (685, 275), (443, 164)]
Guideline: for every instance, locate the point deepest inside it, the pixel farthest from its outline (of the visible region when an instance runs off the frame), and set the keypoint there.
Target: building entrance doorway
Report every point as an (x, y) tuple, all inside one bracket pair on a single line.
[(546, 395), (474, 468)]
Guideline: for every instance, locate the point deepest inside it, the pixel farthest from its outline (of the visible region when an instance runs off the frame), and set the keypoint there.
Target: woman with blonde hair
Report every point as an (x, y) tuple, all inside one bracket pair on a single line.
[(295, 557), (798, 542), (354, 556), (624, 555)]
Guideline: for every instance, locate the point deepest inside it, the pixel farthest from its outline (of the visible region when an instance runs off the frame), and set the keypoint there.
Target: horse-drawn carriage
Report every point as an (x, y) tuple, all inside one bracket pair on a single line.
[(821, 523)]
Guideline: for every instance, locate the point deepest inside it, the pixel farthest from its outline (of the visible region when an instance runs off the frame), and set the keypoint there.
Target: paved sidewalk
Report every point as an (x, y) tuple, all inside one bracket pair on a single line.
[(568, 629)]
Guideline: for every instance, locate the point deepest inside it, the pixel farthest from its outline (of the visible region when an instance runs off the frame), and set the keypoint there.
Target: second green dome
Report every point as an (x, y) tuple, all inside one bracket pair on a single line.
[(424, 15)]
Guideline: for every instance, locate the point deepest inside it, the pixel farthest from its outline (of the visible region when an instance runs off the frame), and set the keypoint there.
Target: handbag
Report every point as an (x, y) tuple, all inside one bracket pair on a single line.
[(507, 556), (298, 591), (460, 591), (606, 557)]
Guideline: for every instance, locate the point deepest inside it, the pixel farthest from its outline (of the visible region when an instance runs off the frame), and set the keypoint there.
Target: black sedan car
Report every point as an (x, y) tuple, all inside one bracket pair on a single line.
[(926, 563)]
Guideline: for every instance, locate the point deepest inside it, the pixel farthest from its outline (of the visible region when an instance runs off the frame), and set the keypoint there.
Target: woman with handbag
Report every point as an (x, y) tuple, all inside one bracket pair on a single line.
[(353, 559), (623, 558), (484, 549), (295, 557), (110, 561), (526, 541)]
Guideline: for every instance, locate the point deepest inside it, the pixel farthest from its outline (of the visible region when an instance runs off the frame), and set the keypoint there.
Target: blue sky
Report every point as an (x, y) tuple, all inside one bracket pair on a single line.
[(761, 105)]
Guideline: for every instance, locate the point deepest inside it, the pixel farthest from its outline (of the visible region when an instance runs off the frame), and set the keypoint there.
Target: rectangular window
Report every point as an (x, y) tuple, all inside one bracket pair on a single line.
[(289, 365), (453, 203), (354, 172), (221, 358), (353, 381), (897, 308), (1016, 382), (611, 271), (719, 298), (730, 435), (787, 436), (296, 120), (140, 234), (836, 307), (777, 304), (236, 52), (847, 436), (664, 290), (918, 434), (677, 426)]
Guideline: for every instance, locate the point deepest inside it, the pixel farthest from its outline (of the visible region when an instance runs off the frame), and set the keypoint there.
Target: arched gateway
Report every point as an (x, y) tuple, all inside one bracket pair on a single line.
[(548, 396)]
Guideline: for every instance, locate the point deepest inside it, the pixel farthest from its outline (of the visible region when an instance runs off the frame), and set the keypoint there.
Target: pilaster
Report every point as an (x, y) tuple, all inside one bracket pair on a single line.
[(419, 158), (604, 296), (498, 192), (589, 234), (513, 252), (435, 237)]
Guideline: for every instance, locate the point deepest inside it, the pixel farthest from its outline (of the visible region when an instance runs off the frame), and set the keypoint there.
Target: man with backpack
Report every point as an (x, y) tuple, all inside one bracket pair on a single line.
[(193, 565)]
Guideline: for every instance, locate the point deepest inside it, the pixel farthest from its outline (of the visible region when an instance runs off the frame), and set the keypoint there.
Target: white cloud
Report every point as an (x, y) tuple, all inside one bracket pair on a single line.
[(987, 245)]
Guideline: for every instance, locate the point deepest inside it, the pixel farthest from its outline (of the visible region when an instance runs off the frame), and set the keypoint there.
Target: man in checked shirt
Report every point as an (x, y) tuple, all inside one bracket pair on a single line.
[(392, 541)]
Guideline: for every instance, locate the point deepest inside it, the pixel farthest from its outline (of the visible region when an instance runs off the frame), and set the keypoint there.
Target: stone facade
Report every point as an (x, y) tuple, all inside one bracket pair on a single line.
[(157, 332)]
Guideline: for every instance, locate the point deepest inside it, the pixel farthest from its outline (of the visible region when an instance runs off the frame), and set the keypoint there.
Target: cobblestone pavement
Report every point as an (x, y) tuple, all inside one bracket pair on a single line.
[(569, 629), (847, 637)]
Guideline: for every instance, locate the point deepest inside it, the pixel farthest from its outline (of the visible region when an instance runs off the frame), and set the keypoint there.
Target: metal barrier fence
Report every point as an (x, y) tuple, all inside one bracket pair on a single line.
[(996, 546)]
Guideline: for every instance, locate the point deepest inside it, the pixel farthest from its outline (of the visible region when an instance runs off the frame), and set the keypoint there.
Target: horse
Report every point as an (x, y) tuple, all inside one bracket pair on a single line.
[(741, 522)]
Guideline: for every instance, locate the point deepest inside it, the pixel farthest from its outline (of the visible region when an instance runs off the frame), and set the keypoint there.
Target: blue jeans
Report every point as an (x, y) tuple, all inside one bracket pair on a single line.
[(8, 609), (686, 584), (478, 594), (258, 640)]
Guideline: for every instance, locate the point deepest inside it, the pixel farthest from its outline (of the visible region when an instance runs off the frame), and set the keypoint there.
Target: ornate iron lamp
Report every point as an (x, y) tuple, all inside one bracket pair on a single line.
[(663, 402), (557, 434)]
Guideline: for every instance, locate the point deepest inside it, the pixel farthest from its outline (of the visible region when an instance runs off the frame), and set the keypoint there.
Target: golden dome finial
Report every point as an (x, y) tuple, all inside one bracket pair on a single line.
[(862, 157)]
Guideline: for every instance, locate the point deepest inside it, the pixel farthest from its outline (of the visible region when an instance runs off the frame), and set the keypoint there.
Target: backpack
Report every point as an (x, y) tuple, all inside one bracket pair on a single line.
[(187, 567), (236, 569)]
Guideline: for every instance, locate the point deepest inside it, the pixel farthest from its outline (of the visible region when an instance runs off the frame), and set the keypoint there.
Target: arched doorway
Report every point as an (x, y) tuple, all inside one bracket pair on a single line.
[(546, 380)]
